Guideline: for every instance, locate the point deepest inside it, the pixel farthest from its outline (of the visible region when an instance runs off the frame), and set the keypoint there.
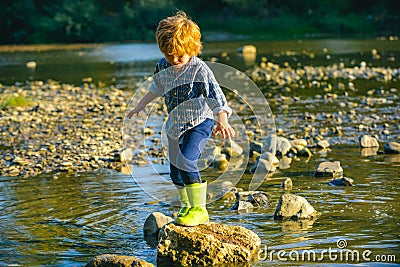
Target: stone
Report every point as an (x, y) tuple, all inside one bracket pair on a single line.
[(391, 148), (323, 144), (259, 199), (221, 162), (342, 182), (152, 227), (232, 149), (304, 152), (299, 142), (368, 141), (112, 260), (255, 147), (329, 169), (247, 49), (284, 163), (207, 245), (242, 207), (263, 165), (229, 196), (123, 156), (270, 157), (294, 207), (282, 144), (287, 184)]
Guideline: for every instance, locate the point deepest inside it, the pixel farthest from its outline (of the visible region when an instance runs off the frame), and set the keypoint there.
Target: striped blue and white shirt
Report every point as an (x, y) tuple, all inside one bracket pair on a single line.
[(191, 94)]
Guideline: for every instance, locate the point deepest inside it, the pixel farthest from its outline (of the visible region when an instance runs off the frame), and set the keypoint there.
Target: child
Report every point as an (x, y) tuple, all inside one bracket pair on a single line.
[(191, 95)]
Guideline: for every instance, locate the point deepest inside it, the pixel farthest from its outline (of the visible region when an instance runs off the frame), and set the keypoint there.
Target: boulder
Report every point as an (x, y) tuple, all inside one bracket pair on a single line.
[(206, 245), (294, 207), (391, 148), (329, 169), (368, 141), (112, 260), (152, 227)]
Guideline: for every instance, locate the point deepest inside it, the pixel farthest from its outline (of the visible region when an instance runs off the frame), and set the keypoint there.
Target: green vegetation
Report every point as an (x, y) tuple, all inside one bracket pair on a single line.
[(14, 101), (84, 21)]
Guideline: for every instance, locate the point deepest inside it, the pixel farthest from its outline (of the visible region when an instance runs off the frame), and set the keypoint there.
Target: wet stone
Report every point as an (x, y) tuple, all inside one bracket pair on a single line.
[(345, 181), (368, 141), (329, 169), (392, 148)]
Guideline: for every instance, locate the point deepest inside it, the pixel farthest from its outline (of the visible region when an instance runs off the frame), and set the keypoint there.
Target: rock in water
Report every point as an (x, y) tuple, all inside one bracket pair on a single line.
[(287, 184), (259, 200), (152, 227), (206, 245), (294, 207), (368, 141), (242, 207), (391, 148), (342, 182), (110, 260), (323, 144), (330, 169)]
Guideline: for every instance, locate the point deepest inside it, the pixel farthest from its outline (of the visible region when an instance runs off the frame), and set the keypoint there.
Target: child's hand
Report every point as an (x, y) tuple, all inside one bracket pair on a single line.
[(136, 111), (223, 127), (226, 131)]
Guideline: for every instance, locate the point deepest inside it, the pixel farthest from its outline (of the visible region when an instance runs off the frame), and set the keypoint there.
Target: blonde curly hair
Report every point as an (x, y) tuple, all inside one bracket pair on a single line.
[(178, 35)]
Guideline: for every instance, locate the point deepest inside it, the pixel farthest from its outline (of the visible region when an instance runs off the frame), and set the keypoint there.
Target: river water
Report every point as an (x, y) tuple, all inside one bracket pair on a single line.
[(66, 219)]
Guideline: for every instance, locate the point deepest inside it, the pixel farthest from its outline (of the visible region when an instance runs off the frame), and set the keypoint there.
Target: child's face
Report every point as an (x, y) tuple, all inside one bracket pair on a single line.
[(177, 61)]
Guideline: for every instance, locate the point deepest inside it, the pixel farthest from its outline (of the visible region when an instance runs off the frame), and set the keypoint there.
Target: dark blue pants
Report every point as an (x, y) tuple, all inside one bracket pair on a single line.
[(183, 157)]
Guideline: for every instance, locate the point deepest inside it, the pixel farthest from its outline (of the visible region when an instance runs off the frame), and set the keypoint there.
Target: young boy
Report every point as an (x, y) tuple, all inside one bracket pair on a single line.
[(192, 96)]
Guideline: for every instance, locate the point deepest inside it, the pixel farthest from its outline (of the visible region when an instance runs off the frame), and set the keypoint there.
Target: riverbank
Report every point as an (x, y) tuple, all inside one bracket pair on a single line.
[(60, 127)]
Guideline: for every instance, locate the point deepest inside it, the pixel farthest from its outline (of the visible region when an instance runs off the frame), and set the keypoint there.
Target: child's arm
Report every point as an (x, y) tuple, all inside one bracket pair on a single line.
[(223, 126), (146, 99)]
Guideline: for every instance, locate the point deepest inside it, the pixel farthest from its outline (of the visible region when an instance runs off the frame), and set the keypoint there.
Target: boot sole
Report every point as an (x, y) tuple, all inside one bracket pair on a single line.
[(192, 225)]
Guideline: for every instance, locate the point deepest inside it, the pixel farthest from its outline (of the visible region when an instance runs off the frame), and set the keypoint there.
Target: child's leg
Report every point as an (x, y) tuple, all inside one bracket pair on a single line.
[(193, 143), (175, 174)]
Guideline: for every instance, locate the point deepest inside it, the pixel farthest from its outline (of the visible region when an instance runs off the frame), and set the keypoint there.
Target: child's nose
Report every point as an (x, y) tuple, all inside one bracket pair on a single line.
[(176, 60)]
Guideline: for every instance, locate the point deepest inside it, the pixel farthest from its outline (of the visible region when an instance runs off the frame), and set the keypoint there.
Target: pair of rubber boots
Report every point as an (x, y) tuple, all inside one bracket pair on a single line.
[(193, 202)]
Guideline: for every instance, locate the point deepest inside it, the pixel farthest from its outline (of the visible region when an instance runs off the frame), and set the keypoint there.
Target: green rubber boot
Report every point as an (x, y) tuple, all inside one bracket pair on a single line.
[(183, 198), (197, 214)]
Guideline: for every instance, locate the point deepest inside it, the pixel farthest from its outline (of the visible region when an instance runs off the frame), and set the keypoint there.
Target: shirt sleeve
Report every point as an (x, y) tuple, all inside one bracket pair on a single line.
[(155, 86), (219, 102)]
